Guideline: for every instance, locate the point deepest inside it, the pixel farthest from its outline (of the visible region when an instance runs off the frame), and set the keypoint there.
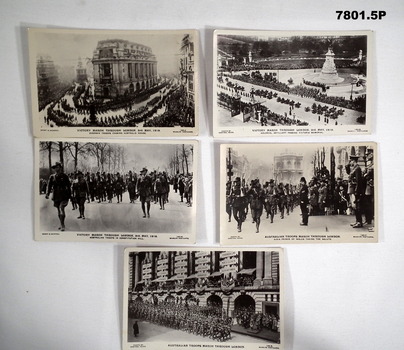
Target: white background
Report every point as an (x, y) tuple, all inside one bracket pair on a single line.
[(68, 295)]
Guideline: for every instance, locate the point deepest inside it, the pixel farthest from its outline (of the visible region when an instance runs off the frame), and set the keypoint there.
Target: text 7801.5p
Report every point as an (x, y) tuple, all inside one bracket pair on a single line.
[(372, 15)]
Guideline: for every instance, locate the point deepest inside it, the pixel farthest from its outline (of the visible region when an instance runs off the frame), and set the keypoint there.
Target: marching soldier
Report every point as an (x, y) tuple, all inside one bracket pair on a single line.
[(270, 199), (59, 184), (100, 188), (257, 195), (145, 190), (109, 186), (82, 193), (281, 200), (92, 185), (239, 203), (119, 187), (228, 199), (289, 198)]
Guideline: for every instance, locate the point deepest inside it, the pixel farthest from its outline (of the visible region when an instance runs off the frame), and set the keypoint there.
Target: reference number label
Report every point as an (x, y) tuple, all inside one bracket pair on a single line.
[(349, 15)]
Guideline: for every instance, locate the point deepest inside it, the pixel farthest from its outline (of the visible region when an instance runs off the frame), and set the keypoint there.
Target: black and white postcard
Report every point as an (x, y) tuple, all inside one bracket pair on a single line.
[(298, 193), (89, 83), (133, 191), (291, 83), (205, 298)]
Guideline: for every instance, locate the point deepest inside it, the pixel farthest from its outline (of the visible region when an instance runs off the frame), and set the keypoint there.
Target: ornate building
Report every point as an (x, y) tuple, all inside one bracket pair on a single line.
[(231, 280), (288, 168), (187, 69), (224, 59), (48, 81), (123, 67), (81, 72)]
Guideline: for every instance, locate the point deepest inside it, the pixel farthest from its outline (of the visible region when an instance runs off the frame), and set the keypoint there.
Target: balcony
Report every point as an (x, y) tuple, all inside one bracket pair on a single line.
[(106, 79)]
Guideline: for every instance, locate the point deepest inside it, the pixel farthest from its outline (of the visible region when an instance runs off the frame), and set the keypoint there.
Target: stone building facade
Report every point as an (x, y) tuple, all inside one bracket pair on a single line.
[(187, 69), (48, 81), (122, 67), (81, 72), (227, 279), (288, 168)]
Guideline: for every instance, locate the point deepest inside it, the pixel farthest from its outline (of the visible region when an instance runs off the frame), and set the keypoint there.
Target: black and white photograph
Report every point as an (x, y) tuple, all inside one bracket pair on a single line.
[(298, 193), (291, 83), (86, 83), (208, 297), (91, 190)]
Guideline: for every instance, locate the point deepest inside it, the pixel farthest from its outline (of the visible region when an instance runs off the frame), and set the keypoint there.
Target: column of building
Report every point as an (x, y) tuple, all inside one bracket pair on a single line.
[(259, 269)]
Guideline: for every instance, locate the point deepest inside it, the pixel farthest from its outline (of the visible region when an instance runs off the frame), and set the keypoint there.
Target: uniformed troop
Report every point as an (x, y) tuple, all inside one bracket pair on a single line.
[(103, 187), (322, 195), (205, 321), (256, 321), (271, 197)]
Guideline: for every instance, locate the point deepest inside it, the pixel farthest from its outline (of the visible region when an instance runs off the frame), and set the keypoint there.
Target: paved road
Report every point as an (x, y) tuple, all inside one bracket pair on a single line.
[(349, 117), (291, 224), (149, 332), (122, 217)]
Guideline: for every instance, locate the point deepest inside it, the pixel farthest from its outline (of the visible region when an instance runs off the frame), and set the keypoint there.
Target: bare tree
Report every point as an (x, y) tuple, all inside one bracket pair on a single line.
[(123, 158), (185, 157), (100, 152), (48, 147), (75, 149), (61, 152)]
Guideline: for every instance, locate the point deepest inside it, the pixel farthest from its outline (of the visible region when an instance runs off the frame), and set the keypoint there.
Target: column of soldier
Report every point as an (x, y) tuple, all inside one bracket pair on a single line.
[(354, 196), (206, 321), (80, 188), (248, 318)]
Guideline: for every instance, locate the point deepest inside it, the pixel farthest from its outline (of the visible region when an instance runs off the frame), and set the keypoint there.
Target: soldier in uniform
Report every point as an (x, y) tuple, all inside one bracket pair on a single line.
[(92, 184), (368, 199), (119, 186), (162, 189), (228, 199), (181, 186), (270, 199), (109, 186), (289, 199), (175, 181), (99, 188), (257, 196), (82, 193), (322, 196), (281, 200), (239, 203), (188, 189), (304, 201), (357, 186), (59, 184), (131, 190), (73, 181), (132, 179), (145, 190)]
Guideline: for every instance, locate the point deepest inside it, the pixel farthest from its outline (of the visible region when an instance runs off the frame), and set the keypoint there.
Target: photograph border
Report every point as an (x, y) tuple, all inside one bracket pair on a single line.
[(285, 130), (156, 238), (111, 132), (213, 345), (291, 236)]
